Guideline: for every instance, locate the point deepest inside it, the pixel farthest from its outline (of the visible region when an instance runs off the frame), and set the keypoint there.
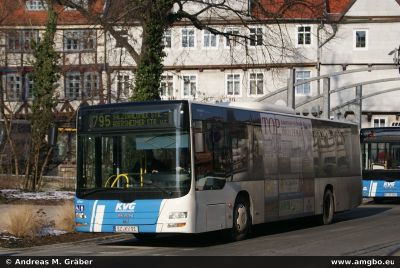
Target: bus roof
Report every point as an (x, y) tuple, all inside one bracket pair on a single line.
[(259, 106), (249, 106)]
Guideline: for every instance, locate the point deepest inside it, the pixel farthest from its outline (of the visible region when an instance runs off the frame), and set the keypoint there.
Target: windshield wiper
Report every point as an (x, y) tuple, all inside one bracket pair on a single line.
[(92, 191), (151, 183), (146, 182)]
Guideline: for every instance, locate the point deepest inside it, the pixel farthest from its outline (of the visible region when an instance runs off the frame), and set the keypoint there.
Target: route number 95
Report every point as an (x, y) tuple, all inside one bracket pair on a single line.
[(101, 121)]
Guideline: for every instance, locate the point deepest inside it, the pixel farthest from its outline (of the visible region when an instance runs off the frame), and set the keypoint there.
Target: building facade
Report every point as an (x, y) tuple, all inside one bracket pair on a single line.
[(347, 42)]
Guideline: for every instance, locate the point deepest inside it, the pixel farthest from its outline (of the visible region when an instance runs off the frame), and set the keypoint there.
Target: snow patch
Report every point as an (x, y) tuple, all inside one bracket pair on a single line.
[(49, 195), (50, 231), (8, 237)]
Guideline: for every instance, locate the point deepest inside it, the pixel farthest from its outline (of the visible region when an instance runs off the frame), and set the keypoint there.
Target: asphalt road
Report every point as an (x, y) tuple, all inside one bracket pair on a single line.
[(371, 229)]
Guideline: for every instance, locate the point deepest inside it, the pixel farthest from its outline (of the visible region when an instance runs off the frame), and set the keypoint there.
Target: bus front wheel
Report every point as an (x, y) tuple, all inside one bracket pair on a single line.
[(327, 208), (241, 219)]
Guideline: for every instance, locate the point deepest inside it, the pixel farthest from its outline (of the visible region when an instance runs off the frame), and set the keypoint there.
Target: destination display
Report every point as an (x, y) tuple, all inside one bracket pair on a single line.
[(115, 119)]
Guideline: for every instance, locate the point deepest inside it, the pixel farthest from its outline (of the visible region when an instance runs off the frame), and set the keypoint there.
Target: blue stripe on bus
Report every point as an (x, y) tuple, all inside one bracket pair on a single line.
[(381, 188), (104, 215)]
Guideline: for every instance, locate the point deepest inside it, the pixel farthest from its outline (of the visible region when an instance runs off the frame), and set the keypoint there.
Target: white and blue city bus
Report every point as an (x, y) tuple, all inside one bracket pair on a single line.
[(219, 167), (381, 162)]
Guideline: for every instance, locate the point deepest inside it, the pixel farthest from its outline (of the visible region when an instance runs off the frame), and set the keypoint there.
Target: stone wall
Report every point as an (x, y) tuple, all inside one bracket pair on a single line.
[(50, 183)]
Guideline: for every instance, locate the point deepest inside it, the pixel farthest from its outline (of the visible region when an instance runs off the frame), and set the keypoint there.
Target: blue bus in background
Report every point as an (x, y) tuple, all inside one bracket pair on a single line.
[(381, 162)]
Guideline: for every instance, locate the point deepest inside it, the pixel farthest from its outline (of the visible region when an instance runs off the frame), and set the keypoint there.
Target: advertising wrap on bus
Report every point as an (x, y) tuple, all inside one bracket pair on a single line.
[(185, 167)]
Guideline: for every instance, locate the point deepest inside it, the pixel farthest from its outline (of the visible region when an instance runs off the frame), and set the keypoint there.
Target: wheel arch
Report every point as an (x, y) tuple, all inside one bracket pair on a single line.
[(330, 187), (245, 194)]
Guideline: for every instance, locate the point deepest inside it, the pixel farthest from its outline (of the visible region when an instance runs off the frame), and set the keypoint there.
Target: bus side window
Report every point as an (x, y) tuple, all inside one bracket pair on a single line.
[(210, 155), (239, 142)]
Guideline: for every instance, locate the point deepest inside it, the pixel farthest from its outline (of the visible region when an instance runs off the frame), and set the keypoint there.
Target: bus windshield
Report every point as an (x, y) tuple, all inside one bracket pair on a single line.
[(381, 155), (135, 162)]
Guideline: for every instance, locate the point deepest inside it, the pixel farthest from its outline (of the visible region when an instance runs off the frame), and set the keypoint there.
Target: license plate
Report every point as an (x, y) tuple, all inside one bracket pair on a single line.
[(126, 229), (390, 194)]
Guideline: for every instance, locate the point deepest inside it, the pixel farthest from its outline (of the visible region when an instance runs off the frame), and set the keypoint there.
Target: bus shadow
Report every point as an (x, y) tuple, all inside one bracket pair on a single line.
[(360, 212), (313, 222), (389, 201), (176, 240), (260, 230)]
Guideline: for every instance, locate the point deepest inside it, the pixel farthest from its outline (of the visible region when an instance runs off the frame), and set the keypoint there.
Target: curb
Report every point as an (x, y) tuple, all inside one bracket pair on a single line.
[(13, 251)]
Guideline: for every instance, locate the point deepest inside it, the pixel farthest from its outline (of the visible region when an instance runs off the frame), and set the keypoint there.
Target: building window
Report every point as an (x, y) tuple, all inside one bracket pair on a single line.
[(209, 39), (379, 122), (81, 3), (167, 86), (88, 40), (29, 86), (167, 39), (189, 85), (14, 41), (72, 85), (188, 38), (79, 40), (303, 89), (233, 84), (360, 39), (304, 35), (256, 37), (256, 83), (36, 5), (22, 40), (71, 41), (232, 40), (91, 85), (123, 86), (28, 38), (14, 87), (66, 146)]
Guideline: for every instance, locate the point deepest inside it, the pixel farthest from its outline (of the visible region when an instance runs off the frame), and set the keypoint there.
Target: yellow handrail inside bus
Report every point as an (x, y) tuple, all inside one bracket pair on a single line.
[(117, 177), (109, 178), (143, 169), (122, 175)]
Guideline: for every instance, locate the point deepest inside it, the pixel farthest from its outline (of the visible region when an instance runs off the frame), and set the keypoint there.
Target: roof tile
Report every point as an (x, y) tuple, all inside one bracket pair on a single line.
[(17, 15)]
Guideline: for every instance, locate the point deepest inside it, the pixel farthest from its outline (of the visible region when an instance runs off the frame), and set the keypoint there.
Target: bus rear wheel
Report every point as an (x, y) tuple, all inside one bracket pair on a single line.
[(327, 208), (241, 219)]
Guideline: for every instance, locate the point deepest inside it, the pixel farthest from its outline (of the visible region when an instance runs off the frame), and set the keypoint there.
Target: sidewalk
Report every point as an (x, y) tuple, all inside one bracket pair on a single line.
[(397, 253)]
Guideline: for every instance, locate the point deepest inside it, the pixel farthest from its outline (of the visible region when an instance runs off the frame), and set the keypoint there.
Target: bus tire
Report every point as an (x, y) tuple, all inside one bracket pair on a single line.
[(241, 219), (327, 208), (145, 237)]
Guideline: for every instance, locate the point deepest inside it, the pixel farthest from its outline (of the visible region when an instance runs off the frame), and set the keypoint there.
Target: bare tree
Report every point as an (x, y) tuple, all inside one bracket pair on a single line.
[(153, 17), (7, 7)]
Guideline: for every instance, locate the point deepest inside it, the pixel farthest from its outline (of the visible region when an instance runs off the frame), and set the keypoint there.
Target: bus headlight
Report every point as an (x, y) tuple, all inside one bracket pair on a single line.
[(177, 215)]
